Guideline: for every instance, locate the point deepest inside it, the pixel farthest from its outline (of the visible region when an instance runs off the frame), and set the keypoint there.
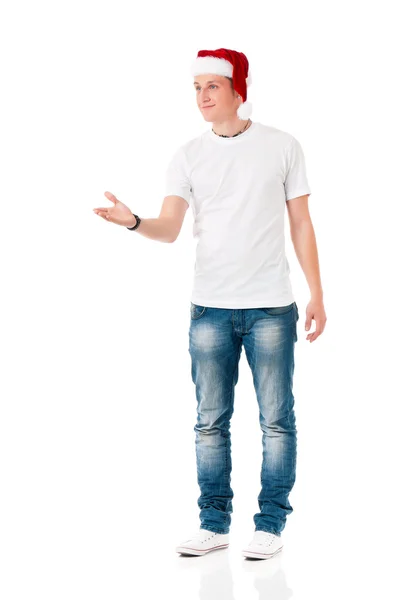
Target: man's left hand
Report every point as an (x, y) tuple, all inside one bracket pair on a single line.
[(315, 310)]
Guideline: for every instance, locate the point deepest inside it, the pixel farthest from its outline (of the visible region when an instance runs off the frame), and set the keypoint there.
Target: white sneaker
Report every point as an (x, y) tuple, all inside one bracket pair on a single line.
[(263, 545), (202, 542)]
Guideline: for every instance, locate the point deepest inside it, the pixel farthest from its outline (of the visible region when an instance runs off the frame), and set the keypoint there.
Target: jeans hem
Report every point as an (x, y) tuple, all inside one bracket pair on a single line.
[(268, 531), (213, 529)]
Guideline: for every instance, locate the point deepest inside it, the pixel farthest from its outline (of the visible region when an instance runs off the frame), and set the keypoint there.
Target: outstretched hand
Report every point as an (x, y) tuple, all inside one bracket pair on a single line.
[(119, 213)]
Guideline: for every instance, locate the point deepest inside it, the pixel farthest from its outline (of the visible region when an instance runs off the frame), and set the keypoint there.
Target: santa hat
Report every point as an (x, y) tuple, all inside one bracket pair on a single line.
[(228, 63)]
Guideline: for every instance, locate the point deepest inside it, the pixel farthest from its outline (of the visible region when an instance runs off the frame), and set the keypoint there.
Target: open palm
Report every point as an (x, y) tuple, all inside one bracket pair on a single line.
[(119, 213)]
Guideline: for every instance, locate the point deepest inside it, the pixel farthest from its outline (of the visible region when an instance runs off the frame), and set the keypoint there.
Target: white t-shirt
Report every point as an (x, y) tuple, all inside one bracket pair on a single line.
[(237, 188)]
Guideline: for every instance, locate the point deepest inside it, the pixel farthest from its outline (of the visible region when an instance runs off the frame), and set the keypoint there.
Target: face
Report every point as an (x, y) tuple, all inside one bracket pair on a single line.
[(216, 99)]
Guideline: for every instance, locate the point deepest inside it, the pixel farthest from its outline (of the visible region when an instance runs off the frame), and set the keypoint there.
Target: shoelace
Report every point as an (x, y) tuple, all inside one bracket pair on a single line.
[(264, 538), (202, 536)]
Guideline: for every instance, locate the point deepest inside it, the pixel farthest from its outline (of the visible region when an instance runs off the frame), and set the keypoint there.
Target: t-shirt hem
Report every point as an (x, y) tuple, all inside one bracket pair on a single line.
[(238, 305), (180, 194), (302, 192)]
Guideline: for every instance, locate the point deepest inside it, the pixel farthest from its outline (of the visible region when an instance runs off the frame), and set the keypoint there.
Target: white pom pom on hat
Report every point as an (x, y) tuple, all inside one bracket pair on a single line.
[(245, 110), (228, 63)]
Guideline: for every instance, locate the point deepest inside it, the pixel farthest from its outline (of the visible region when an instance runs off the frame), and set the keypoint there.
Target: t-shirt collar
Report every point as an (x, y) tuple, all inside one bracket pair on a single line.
[(232, 140)]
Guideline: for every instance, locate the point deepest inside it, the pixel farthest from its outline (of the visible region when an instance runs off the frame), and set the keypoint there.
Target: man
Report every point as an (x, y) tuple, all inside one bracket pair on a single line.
[(238, 177)]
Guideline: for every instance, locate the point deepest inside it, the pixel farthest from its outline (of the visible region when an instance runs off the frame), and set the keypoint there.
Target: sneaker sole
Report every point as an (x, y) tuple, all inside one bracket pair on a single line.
[(250, 554), (195, 552)]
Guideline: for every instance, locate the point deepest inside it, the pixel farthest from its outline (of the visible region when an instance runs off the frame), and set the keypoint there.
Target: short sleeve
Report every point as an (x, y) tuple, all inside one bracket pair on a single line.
[(296, 183), (177, 182)]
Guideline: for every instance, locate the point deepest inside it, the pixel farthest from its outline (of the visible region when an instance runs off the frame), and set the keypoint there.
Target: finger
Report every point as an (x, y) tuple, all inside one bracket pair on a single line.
[(313, 336), (111, 197), (104, 216), (104, 208), (320, 326)]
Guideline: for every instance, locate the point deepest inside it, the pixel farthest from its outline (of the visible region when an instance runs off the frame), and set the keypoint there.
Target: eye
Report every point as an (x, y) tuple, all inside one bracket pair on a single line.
[(212, 85)]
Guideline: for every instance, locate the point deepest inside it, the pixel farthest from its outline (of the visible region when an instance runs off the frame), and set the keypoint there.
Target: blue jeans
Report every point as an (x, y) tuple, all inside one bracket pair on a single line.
[(215, 343)]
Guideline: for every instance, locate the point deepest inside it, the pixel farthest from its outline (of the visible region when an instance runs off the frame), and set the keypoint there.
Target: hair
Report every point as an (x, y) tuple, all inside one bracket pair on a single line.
[(231, 82)]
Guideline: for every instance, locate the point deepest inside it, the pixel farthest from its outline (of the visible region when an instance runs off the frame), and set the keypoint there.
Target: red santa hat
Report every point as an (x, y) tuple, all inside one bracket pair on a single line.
[(228, 63)]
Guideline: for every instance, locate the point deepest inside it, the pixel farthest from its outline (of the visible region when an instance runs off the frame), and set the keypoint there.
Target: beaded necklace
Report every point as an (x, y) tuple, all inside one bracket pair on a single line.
[(235, 134)]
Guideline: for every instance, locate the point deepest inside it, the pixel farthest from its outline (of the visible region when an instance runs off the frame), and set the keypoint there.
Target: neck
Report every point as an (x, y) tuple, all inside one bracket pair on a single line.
[(230, 126)]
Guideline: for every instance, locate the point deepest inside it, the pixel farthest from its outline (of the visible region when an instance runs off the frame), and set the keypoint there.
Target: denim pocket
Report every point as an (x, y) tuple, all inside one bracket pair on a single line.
[(279, 310), (197, 311)]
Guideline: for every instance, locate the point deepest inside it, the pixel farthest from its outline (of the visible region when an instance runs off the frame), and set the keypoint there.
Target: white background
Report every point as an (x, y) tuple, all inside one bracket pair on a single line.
[(97, 455)]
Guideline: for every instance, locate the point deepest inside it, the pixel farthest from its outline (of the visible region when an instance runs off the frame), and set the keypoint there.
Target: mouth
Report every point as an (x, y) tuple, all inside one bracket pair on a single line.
[(203, 107)]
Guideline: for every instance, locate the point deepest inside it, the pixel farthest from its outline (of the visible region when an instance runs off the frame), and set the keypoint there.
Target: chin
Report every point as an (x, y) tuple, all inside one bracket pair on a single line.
[(209, 118)]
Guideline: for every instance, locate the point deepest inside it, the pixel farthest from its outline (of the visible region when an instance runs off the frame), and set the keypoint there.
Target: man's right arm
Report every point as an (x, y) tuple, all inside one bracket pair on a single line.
[(167, 226)]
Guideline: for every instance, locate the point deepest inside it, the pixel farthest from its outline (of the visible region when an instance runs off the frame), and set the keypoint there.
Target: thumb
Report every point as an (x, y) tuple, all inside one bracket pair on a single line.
[(111, 197), (307, 323)]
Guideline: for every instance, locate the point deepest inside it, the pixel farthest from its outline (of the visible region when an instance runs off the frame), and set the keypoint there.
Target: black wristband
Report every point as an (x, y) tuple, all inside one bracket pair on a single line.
[(137, 224)]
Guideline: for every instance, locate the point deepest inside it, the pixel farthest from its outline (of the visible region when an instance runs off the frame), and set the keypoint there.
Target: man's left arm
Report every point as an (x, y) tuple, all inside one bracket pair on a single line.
[(304, 242)]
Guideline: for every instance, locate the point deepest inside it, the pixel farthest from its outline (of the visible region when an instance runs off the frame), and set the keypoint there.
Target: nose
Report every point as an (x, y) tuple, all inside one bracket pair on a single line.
[(204, 97)]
